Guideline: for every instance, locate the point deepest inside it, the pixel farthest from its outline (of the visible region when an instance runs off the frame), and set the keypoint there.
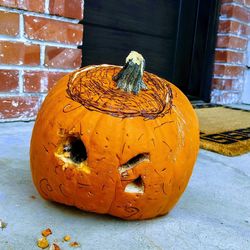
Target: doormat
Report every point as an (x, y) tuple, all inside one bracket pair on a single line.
[(224, 130)]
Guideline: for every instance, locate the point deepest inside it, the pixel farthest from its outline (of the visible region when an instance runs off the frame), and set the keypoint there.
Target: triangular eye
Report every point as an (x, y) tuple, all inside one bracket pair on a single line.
[(133, 162)]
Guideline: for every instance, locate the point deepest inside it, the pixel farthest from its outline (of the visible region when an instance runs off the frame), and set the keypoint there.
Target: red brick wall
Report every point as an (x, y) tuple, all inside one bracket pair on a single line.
[(38, 45), (231, 52)]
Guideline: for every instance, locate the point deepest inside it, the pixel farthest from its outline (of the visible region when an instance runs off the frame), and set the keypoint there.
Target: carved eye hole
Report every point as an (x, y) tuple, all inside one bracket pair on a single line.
[(133, 162), (74, 149)]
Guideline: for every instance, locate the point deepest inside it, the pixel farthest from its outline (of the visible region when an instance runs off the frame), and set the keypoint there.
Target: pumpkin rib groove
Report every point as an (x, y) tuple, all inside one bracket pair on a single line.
[(169, 169)]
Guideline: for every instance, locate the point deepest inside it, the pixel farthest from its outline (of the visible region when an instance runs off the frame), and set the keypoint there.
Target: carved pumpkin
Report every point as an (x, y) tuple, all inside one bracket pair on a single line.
[(115, 140)]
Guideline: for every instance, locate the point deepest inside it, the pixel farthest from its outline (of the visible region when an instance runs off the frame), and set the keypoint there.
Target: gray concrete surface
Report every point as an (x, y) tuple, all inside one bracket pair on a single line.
[(213, 213)]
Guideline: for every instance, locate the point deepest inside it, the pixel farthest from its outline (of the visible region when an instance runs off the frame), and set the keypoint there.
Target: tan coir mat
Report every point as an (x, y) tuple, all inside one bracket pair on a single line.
[(224, 130)]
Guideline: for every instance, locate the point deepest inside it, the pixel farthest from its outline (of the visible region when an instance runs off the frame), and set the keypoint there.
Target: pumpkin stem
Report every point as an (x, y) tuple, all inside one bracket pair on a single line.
[(130, 77)]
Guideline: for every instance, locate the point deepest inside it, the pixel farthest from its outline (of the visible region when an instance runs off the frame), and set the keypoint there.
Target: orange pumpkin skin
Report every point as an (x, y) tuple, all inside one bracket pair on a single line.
[(167, 143)]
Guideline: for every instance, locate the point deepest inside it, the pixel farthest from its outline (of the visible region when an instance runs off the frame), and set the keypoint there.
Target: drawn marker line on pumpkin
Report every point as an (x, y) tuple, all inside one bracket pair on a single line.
[(140, 137), (45, 149), (81, 134), (163, 188), (53, 144), (100, 159), (123, 147), (167, 146), (118, 157), (132, 210), (68, 108), (45, 183), (157, 172), (57, 167), (82, 185), (111, 179), (162, 124), (62, 191)]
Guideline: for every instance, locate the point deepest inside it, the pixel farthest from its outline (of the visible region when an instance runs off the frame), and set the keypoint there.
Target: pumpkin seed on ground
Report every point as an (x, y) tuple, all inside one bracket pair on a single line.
[(46, 232), (74, 244), (43, 243), (3, 224), (67, 238), (54, 247)]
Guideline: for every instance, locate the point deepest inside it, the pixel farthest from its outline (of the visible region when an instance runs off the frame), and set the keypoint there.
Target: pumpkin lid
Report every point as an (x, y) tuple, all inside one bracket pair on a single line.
[(122, 92)]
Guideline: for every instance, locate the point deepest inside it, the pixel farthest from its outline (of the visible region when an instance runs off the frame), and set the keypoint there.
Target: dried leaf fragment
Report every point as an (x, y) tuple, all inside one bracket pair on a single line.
[(74, 244), (54, 247), (42, 242), (3, 224), (46, 232), (67, 238)]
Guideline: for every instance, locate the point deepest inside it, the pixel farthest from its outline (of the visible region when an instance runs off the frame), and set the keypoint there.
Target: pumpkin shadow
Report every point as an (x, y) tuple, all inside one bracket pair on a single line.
[(78, 214), (72, 211)]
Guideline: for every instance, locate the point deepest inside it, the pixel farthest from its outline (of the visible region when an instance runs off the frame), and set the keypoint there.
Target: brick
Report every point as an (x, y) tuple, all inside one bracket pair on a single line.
[(9, 23), (222, 84), (247, 3), (9, 80), (9, 3), (53, 78), (229, 26), (31, 5), (229, 56), (67, 8), (62, 57), (225, 97), (52, 30), (231, 42), (247, 30), (18, 107), (228, 70), (40, 81), (19, 53), (236, 11)]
